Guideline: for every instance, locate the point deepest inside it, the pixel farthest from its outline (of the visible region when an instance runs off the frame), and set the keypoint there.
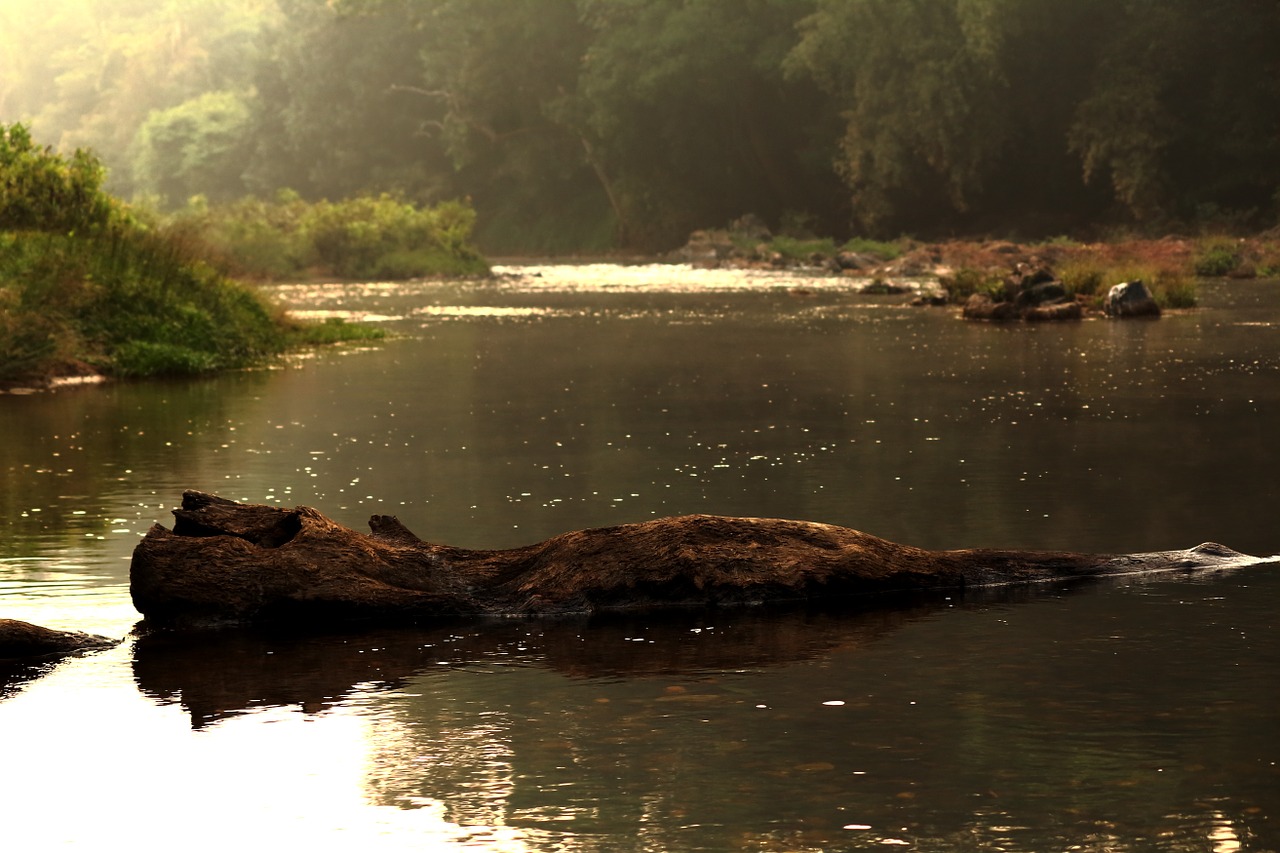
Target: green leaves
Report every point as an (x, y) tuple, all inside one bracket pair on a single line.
[(197, 147), (44, 191), (587, 124)]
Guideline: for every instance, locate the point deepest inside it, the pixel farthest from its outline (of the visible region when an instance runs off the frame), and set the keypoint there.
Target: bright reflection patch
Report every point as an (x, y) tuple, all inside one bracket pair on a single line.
[(275, 779)]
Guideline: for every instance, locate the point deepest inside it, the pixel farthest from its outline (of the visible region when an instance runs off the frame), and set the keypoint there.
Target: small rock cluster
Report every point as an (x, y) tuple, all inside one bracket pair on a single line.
[(1030, 291), (1033, 293)]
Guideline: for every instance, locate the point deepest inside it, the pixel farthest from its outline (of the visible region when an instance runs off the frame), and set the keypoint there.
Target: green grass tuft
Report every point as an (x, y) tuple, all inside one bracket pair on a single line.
[(885, 251), (1217, 257)]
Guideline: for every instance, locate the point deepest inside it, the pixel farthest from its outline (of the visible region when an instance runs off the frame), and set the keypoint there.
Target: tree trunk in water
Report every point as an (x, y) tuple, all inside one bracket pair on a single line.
[(230, 562)]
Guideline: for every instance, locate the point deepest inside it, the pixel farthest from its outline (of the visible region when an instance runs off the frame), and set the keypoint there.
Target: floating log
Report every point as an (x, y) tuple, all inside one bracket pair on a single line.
[(24, 642), (228, 562)]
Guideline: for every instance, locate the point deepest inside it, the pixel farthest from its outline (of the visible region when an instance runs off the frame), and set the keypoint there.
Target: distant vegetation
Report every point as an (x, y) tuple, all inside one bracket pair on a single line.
[(365, 237), (85, 285), (582, 125)]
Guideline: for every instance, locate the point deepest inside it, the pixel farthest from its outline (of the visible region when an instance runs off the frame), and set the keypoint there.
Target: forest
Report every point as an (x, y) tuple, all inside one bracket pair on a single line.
[(588, 125)]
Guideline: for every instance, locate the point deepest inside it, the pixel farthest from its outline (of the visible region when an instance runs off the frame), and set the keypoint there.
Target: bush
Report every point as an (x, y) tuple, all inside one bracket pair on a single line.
[(1082, 278), (84, 279), (43, 191), (1217, 258), (967, 281), (1175, 291), (380, 237)]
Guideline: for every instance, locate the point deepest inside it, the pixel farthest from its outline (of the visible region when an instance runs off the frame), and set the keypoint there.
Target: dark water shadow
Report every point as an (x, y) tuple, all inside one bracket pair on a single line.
[(14, 676), (220, 674)]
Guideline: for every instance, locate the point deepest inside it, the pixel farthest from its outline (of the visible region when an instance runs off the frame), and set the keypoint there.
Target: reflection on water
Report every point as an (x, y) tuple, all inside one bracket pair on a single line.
[(1124, 716)]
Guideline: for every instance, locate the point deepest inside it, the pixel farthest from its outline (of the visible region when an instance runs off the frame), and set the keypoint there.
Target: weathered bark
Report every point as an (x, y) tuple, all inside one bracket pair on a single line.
[(22, 641), (231, 562)]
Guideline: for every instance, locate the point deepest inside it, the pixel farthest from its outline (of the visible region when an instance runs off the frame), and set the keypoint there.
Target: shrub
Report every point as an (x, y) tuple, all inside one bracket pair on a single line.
[(147, 358), (44, 191), (1082, 277), (1269, 260), (82, 278), (360, 238), (1217, 257), (1175, 291), (967, 281)]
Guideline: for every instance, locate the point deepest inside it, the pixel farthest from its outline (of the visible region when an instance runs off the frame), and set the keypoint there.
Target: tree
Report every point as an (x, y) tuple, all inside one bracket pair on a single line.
[(195, 148), (101, 67), (687, 106), (331, 117), (500, 80), (41, 190), (1183, 116), (960, 112)]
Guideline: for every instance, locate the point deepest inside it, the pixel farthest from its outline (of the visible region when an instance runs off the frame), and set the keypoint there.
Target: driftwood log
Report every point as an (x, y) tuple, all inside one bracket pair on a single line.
[(23, 642), (227, 562)]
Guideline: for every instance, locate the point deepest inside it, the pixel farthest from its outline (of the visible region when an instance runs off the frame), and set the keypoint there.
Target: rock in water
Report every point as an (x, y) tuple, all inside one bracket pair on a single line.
[(227, 562), (1130, 299)]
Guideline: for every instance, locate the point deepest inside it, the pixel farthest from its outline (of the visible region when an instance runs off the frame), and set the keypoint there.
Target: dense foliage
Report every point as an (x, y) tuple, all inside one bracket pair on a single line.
[(381, 237), (85, 285), (575, 124)]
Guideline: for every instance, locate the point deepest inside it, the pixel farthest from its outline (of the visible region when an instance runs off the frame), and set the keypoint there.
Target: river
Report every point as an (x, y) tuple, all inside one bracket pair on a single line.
[(1132, 715)]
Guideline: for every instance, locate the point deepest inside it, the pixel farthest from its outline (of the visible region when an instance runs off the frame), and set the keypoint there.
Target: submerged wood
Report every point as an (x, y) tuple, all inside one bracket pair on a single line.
[(228, 562), (24, 642)]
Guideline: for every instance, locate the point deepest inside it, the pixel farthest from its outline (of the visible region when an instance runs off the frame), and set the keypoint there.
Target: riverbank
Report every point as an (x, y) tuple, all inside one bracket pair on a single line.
[(1169, 265), (129, 303), (91, 287)]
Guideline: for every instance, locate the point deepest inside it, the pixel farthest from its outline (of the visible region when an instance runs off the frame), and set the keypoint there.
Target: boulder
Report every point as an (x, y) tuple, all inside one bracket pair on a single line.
[(1030, 293), (932, 298), (882, 287), (706, 249), (227, 562), (1130, 299), (980, 306), (1071, 310), (852, 262), (1040, 293)]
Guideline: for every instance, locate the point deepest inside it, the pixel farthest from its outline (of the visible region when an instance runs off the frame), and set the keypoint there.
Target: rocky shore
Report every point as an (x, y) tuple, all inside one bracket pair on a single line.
[(1002, 280)]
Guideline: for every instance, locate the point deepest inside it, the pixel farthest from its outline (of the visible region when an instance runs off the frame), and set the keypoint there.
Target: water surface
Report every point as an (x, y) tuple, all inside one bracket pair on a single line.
[(1133, 715)]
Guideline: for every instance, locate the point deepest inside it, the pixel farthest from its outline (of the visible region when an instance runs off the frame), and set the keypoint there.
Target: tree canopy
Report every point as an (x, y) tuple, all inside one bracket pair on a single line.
[(579, 124)]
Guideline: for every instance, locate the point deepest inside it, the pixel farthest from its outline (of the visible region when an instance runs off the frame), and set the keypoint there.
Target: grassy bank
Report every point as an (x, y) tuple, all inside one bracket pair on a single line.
[(1171, 267), (132, 303), (87, 285)]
